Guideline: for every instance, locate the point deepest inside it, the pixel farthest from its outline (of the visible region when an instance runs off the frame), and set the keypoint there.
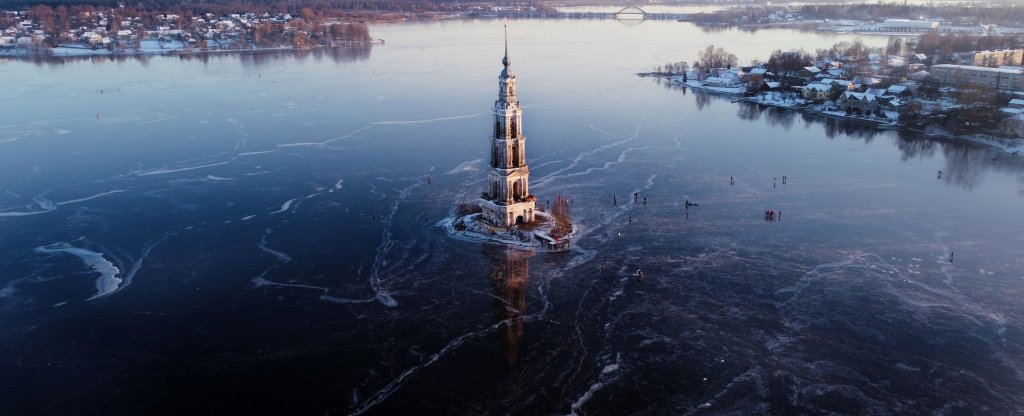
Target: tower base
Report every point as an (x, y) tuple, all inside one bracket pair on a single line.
[(508, 215)]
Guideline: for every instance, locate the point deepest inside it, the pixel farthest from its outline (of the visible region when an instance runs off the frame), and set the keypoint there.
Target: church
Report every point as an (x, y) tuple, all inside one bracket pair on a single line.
[(507, 200)]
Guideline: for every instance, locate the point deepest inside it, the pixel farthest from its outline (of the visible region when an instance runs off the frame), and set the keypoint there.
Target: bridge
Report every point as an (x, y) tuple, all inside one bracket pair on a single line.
[(630, 13)]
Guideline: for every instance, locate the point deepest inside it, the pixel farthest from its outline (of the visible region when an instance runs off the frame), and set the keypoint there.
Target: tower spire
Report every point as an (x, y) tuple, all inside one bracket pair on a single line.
[(505, 61)]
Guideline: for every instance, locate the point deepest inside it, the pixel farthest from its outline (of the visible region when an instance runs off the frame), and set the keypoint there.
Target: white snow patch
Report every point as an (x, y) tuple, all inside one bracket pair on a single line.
[(285, 206), (108, 281)]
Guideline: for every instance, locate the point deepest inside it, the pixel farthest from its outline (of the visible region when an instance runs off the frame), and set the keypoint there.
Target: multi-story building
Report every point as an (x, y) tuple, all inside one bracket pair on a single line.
[(995, 78), (991, 59)]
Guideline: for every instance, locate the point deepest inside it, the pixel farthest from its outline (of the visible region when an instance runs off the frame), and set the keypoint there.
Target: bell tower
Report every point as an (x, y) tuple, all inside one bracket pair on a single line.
[(508, 200)]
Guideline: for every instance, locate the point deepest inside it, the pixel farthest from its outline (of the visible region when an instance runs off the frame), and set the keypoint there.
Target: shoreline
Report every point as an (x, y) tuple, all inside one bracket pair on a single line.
[(22, 53), (1010, 146), (467, 228)]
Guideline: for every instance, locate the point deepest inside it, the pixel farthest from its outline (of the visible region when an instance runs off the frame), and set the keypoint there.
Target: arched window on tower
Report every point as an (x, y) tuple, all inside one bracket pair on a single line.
[(515, 155)]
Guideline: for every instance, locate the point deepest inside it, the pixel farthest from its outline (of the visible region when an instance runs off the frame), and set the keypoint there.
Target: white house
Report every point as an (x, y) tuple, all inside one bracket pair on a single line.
[(817, 91), (722, 82)]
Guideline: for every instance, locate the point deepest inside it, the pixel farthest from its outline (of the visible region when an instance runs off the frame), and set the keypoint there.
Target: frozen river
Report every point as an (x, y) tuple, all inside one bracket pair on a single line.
[(256, 234)]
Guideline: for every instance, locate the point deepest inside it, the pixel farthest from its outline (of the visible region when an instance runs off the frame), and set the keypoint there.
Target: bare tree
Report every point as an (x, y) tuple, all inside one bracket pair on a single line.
[(715, 57), (563, 217), (894, 47)]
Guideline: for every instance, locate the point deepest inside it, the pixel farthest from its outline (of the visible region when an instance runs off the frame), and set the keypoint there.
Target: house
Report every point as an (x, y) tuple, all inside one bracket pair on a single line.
[(897, 61), (817, 91), (839, 84), (919, 75), (858, 103), (867, 81), (877, 92), (758, 71), (722, 82), (92, 38), (1013, 125), (898, 91), (809, 72), (889, 103)]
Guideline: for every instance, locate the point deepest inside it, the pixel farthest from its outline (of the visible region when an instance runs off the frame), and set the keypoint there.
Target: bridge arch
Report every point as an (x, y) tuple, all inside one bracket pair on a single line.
[(631, 10)]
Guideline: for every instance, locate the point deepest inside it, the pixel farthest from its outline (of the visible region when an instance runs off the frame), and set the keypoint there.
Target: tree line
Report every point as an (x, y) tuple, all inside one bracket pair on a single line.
[(940, 47)]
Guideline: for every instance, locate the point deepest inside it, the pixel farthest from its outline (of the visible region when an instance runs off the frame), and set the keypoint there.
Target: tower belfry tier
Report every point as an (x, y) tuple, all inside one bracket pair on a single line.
[(508, 200)]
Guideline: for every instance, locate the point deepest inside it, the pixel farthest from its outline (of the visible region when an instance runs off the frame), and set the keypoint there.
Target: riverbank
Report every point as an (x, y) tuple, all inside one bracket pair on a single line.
[(1013, 146), (164, 48)]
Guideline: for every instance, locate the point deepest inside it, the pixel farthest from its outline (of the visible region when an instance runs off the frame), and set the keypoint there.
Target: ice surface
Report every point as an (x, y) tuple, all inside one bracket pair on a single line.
[(108, 281)]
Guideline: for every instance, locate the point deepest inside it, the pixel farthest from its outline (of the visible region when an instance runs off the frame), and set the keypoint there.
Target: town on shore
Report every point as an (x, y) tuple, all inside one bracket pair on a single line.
[(977, 94), (79, 30)]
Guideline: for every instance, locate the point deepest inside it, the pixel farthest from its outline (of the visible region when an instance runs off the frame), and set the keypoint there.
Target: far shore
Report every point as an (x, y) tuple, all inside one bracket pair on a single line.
[(80, 52), (1012, 146)]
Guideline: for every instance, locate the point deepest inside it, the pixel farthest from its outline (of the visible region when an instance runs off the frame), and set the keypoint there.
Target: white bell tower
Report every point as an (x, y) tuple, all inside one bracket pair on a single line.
[(508, 200)]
